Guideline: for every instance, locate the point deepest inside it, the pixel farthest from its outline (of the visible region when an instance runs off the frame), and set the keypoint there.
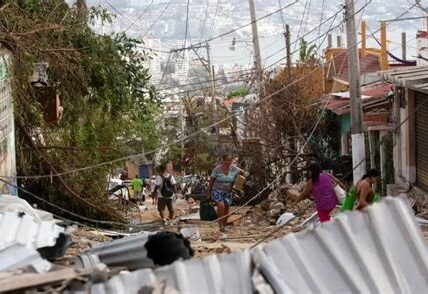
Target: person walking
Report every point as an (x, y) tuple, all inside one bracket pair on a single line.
[(321, 186), (365, 193), (154, 194), (165, 189), (137, 187), (220, 188)]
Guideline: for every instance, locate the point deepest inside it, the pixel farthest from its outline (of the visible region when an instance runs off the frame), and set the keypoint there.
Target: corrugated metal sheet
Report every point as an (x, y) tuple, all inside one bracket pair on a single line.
[(415, 77), (146, 250), (128, 252), (421, 140), (16, 256), (22, 229), (379, 250), (376, 99), (222, 274)]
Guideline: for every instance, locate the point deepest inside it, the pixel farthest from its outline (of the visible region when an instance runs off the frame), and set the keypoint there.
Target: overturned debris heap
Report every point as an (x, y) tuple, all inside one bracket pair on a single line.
[(379, 250)]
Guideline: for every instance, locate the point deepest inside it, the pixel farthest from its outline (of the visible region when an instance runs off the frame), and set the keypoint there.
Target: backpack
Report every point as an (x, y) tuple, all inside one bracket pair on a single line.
[(167, 189)]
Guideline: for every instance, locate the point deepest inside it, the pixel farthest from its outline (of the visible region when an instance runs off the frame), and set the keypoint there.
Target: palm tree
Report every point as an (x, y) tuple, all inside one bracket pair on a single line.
[(306, 53)]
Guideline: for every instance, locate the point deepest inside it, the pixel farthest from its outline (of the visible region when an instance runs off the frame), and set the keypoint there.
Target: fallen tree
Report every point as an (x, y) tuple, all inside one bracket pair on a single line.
[(105, 93)]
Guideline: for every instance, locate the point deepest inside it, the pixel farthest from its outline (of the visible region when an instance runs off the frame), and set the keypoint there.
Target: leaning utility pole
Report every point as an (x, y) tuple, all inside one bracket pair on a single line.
[(257, 58), (358, 144)]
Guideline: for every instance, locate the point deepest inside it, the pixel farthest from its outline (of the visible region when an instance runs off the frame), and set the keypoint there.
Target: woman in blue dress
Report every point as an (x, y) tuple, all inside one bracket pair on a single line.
[(220, 188)]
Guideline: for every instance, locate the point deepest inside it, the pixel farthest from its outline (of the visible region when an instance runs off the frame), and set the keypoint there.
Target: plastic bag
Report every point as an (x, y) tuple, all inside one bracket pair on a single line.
[(207, 211), (350, 200)]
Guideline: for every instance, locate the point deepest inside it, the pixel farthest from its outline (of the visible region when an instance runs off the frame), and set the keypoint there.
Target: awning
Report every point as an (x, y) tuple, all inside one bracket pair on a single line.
[(415, 78)]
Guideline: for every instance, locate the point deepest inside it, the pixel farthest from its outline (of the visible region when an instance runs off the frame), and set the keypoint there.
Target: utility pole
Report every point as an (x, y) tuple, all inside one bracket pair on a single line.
[(257, 58), (358, 144), (213, 101), (287, 45), (182, 124)]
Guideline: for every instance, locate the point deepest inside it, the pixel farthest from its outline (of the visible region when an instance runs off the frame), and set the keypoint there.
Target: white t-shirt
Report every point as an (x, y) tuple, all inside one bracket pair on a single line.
[(159, 182)]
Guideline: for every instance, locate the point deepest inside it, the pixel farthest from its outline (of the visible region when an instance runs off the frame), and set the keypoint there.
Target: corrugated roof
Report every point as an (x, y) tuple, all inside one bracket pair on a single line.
[(410, 77), (368, 64), (379, 250), (22, 229), (375, 99)]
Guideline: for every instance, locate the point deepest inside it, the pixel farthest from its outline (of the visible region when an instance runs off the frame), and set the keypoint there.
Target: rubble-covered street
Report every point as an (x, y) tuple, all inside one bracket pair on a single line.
[(78, 261), (95, 256), (213, 147)]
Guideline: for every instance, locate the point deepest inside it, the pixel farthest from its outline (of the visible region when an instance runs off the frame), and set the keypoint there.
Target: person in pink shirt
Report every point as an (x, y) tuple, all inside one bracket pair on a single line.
[(321, 186)]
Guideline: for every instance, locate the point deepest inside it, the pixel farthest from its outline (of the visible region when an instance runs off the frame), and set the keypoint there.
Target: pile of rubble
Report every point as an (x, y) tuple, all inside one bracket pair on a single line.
[(147, 262), (40, 252), (280, 201)]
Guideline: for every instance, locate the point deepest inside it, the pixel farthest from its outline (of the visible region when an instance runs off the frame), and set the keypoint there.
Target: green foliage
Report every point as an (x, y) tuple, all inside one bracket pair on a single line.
[(104, 87), (238, 92), (306, 53)]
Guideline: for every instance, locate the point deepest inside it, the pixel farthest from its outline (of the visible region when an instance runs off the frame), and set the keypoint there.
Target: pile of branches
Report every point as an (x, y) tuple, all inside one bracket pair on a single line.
[(282, 124)]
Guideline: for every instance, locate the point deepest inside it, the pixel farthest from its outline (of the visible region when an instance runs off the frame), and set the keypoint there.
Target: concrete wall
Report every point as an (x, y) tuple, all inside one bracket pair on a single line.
[(7, 127), (404, 138)]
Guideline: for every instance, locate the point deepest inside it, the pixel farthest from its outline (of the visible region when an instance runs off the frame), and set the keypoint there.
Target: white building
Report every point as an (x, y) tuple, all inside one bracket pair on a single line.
[(154, 63), (181, 60)]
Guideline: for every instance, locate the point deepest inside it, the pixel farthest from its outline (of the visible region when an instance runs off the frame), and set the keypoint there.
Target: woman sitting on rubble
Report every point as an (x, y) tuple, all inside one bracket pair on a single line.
[(365, 193), (220, 188), (321, 186)]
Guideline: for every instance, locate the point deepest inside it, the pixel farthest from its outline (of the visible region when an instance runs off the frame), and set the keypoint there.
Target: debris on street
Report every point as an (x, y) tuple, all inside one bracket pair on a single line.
[(295, 263)]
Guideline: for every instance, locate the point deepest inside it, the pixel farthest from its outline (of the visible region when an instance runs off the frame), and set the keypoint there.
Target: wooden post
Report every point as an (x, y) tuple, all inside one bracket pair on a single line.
[(384, 50), (382, 135), (372, 145), (288, 46), (363, 38)]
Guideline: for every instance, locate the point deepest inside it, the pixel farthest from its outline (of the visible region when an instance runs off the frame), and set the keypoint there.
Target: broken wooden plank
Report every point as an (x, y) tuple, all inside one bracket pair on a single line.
[(24, 281)]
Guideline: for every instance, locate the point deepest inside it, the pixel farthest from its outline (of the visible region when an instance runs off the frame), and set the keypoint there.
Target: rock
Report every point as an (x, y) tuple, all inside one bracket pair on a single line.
[(273, 213), (265, 204), (272, 221), (264, 223), (258, 209), (273, 195), (293, 193), (280, 206)]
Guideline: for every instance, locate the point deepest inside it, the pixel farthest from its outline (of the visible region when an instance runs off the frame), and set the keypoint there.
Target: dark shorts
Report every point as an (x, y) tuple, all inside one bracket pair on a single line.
[(164, 202), (219, 196)]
